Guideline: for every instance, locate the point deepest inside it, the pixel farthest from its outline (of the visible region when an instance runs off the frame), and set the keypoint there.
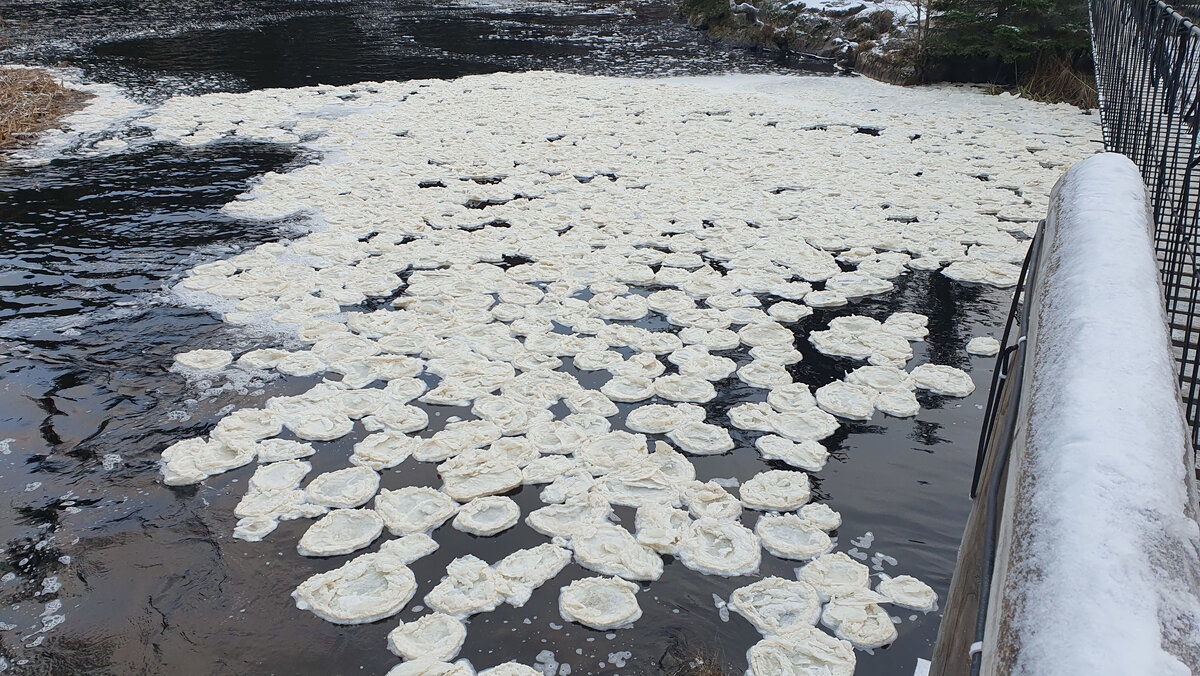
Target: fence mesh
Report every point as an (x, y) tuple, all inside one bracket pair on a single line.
[(1147, 57)]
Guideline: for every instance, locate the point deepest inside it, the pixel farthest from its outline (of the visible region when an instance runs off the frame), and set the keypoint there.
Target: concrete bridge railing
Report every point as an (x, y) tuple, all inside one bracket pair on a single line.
[(1083, 542)]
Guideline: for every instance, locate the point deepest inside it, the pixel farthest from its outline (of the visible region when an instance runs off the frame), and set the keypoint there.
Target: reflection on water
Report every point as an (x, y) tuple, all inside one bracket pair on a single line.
[(104, 570)]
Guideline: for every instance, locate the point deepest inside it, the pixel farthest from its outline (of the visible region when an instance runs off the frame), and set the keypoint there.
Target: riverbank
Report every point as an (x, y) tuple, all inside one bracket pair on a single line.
[(32, 101)]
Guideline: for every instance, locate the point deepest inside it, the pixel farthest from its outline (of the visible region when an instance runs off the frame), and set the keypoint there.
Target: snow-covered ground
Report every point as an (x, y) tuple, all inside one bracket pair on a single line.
[(513, 221)]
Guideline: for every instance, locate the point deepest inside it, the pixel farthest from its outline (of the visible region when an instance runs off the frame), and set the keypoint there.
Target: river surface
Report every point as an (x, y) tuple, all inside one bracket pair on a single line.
[(106, 571)]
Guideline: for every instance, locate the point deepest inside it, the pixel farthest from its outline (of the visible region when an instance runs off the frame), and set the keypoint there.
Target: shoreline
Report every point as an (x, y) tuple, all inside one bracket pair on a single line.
[(32, 101)]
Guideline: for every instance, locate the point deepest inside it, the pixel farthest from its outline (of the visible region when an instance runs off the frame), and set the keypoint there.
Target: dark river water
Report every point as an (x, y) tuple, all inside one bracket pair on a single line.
[(106, 571)]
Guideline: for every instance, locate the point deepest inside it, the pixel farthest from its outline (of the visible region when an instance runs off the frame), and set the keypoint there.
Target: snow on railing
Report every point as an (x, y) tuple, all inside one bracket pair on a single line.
[(1092, 520)]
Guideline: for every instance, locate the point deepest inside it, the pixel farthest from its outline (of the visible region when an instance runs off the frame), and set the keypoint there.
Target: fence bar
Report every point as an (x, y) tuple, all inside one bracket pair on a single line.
[(1147, 59)]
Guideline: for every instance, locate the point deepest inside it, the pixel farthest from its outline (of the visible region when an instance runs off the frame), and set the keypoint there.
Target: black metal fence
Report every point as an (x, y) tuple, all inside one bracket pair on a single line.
[(1147, 58)]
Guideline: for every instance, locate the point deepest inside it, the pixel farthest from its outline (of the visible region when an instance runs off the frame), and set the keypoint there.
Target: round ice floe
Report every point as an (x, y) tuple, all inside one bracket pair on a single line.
[(397, 417), (611, 451), (368, 588), (591, 401), (279, 476), (984, 346), (255, 528), (302, 363), (193, 460), (898, 404), (322, 427), (600, 602), (611, 550), (791, 537), (247, 425), (527, 569), (853, 402), (382, 450), (808, 455), (345, 488), (751, 416), (341, 531), (791, 397), (907, 591), (487, 515), (857, 617), (661, 527), (775, 605), (639, 485), (510, 669), (429, 667), (479, 472), (806, 650), (711, 500), (766, 333), (786, 311), (547, 468), (820, 515), (433, 637), (825, 299), (414, 509), (764, 374), (701, 438), (570, 517), (276, 450), (835, 575), (204, 360), (654, 418), (717, 547), (470, 586), (945, 380), (555, 437), (776, 354), (856, 284), (673, 464), (262, 359), (628, 388), (776, 490), (684, 388), (720, 339), (358, 403), (909, 325), (809, 424), (881, 378)]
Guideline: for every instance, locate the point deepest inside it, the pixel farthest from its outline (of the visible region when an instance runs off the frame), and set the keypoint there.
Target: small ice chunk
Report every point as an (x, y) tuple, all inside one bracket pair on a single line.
[(984, 346), (845, 400), (821, 516)]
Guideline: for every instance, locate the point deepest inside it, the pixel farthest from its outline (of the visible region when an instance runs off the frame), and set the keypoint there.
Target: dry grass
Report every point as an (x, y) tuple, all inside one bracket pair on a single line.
[(1054, 78), (688, 660), (32, 101)]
